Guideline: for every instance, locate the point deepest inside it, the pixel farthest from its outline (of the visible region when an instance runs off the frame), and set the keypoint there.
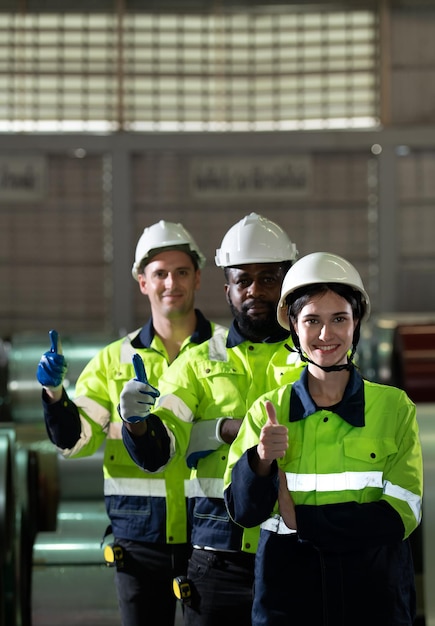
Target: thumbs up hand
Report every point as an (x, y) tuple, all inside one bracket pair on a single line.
[(138, 396), (272, 444), (52, 365), (273, 437)]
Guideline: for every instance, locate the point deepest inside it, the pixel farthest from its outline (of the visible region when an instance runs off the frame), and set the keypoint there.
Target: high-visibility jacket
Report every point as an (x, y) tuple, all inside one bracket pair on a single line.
[(141, 507), (355, 475), (219, 378)]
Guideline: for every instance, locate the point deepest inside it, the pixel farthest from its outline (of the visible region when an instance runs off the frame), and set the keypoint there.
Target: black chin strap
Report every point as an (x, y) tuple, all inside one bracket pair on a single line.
[(330, 368)]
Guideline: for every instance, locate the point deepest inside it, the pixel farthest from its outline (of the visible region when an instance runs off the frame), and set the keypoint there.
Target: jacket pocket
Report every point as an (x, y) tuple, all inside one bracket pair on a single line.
[(370, 450)]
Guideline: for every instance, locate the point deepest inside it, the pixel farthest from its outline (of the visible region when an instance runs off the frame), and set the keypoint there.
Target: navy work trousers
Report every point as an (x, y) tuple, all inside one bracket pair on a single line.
[(222, 588), (144, 578)]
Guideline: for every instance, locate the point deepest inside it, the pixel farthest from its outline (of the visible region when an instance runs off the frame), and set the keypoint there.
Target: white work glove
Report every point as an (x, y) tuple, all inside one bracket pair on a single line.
[(52, 365), (138, 396), (204, 439)]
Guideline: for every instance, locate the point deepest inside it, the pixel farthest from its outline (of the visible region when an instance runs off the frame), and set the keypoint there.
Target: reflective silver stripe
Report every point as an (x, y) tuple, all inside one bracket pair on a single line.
[(135, 487), (172, 443), (293, 358), (115, 430), (127, 350), (100, 416), (217, 349), (276, 524), (410, 498), (205, 488), (352, 481), (94, 411), (174, 404)]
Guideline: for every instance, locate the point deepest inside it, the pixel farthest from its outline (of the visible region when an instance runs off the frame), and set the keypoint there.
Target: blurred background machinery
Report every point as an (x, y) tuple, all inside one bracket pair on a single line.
[(52, 510), (400, 351)]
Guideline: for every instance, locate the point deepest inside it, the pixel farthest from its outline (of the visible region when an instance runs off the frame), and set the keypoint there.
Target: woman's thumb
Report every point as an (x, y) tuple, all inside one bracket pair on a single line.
[(271, 412)]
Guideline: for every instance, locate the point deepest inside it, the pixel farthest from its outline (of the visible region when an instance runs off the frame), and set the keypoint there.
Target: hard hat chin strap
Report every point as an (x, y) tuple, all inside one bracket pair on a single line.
[(329, 368)]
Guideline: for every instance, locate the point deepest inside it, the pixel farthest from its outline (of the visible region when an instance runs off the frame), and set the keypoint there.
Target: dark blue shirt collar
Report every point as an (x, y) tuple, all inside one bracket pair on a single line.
[(202, 332), (235, 336), (350, 408)]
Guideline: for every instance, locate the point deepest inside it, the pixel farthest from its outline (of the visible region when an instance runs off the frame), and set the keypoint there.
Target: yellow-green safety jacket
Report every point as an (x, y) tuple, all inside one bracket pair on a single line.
[(365, 449), (356, 478), (141, 507), (218, 379)]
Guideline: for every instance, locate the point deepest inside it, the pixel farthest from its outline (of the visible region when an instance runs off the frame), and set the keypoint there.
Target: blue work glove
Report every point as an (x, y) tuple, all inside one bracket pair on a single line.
[(52, 366), (138, 396)]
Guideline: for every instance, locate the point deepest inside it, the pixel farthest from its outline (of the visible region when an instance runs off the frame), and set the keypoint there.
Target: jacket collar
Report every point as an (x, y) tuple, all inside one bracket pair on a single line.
[(350, 408), (202, 332), (235, 337)]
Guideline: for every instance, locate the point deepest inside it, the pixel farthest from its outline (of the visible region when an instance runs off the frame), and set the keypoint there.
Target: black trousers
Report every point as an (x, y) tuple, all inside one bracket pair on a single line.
[(222, 588), (143, 580)]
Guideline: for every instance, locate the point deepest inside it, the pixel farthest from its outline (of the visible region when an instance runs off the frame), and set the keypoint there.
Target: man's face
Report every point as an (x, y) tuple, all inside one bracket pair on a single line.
[(170, 281), (253, 292)]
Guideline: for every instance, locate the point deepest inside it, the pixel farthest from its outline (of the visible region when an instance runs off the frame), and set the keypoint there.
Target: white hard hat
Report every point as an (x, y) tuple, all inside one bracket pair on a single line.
[(255, 239), (164, 236), (319, 267)]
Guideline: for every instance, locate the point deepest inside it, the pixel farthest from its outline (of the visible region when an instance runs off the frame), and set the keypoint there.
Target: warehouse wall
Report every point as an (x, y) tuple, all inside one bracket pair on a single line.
[(67, 234)]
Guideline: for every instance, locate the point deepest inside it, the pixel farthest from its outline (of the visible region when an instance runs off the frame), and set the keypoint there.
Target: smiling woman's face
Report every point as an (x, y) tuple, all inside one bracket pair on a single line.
[(325, 328)]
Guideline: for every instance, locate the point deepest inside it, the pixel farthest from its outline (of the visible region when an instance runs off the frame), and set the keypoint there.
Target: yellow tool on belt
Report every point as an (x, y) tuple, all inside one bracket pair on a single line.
[(113, 555), (182, 589)]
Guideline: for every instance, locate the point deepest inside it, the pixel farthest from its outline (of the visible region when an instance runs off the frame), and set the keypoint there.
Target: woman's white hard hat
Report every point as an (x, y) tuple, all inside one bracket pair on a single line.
[(164, 236), (320, 267)]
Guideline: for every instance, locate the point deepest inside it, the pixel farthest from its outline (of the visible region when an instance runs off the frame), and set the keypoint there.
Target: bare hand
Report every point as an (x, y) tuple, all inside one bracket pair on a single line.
[(273, 437), (273, 441)]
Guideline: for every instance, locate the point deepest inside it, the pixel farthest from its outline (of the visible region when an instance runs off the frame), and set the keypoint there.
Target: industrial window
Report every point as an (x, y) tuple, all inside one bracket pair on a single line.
[(257, 68)]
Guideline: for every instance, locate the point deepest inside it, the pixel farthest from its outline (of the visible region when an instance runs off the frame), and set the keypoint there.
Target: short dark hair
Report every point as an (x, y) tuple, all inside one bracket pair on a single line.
[(299, 298)]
